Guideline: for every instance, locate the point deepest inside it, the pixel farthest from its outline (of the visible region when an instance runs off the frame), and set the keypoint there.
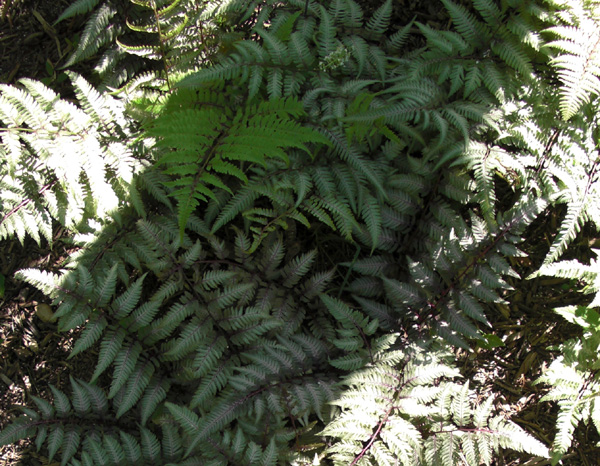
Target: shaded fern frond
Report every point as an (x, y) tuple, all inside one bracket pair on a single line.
[(98, 31), (63, 428), (77, 8)]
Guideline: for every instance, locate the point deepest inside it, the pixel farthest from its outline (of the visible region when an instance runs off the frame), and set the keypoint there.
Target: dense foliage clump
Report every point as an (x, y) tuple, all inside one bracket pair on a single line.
[(289, 220)]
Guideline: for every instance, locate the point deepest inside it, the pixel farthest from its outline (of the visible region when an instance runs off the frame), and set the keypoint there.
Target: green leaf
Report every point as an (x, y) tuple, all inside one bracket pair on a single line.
[(490, 341)]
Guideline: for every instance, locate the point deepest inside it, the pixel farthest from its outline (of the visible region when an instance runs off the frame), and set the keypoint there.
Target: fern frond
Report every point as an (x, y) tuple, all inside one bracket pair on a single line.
[(379, 22), (577, 62), (77, 8), (201, 142), (273, 126), (98, 31), (73, 193), (468, 26)]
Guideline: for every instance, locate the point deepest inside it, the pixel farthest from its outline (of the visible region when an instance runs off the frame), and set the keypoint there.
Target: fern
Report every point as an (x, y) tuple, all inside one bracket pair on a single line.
[(573, 382), (581, 200), (96, 33), (323, 195), (577, 41), (77, 8), (40, 131), (139, 41), (212, 141), (572, 375), (561, 162), (206, 334), (375, 426), (64, 426)]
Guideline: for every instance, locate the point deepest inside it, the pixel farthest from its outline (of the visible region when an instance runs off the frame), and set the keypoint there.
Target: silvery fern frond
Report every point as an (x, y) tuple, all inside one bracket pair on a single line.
[(64, 162)]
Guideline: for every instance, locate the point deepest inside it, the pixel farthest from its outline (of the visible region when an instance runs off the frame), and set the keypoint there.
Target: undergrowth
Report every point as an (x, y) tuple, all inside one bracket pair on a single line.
[(289, 221)]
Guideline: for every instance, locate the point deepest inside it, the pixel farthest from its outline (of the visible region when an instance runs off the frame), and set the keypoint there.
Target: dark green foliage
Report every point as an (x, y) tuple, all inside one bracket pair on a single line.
[(227, 328), (321, 226), (138, 44)]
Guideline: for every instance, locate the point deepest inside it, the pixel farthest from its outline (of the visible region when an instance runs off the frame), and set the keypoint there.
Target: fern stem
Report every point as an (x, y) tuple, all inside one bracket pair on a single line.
[(547, 149), (373, 438), (25, 202), (347, 276), (161, 41)]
